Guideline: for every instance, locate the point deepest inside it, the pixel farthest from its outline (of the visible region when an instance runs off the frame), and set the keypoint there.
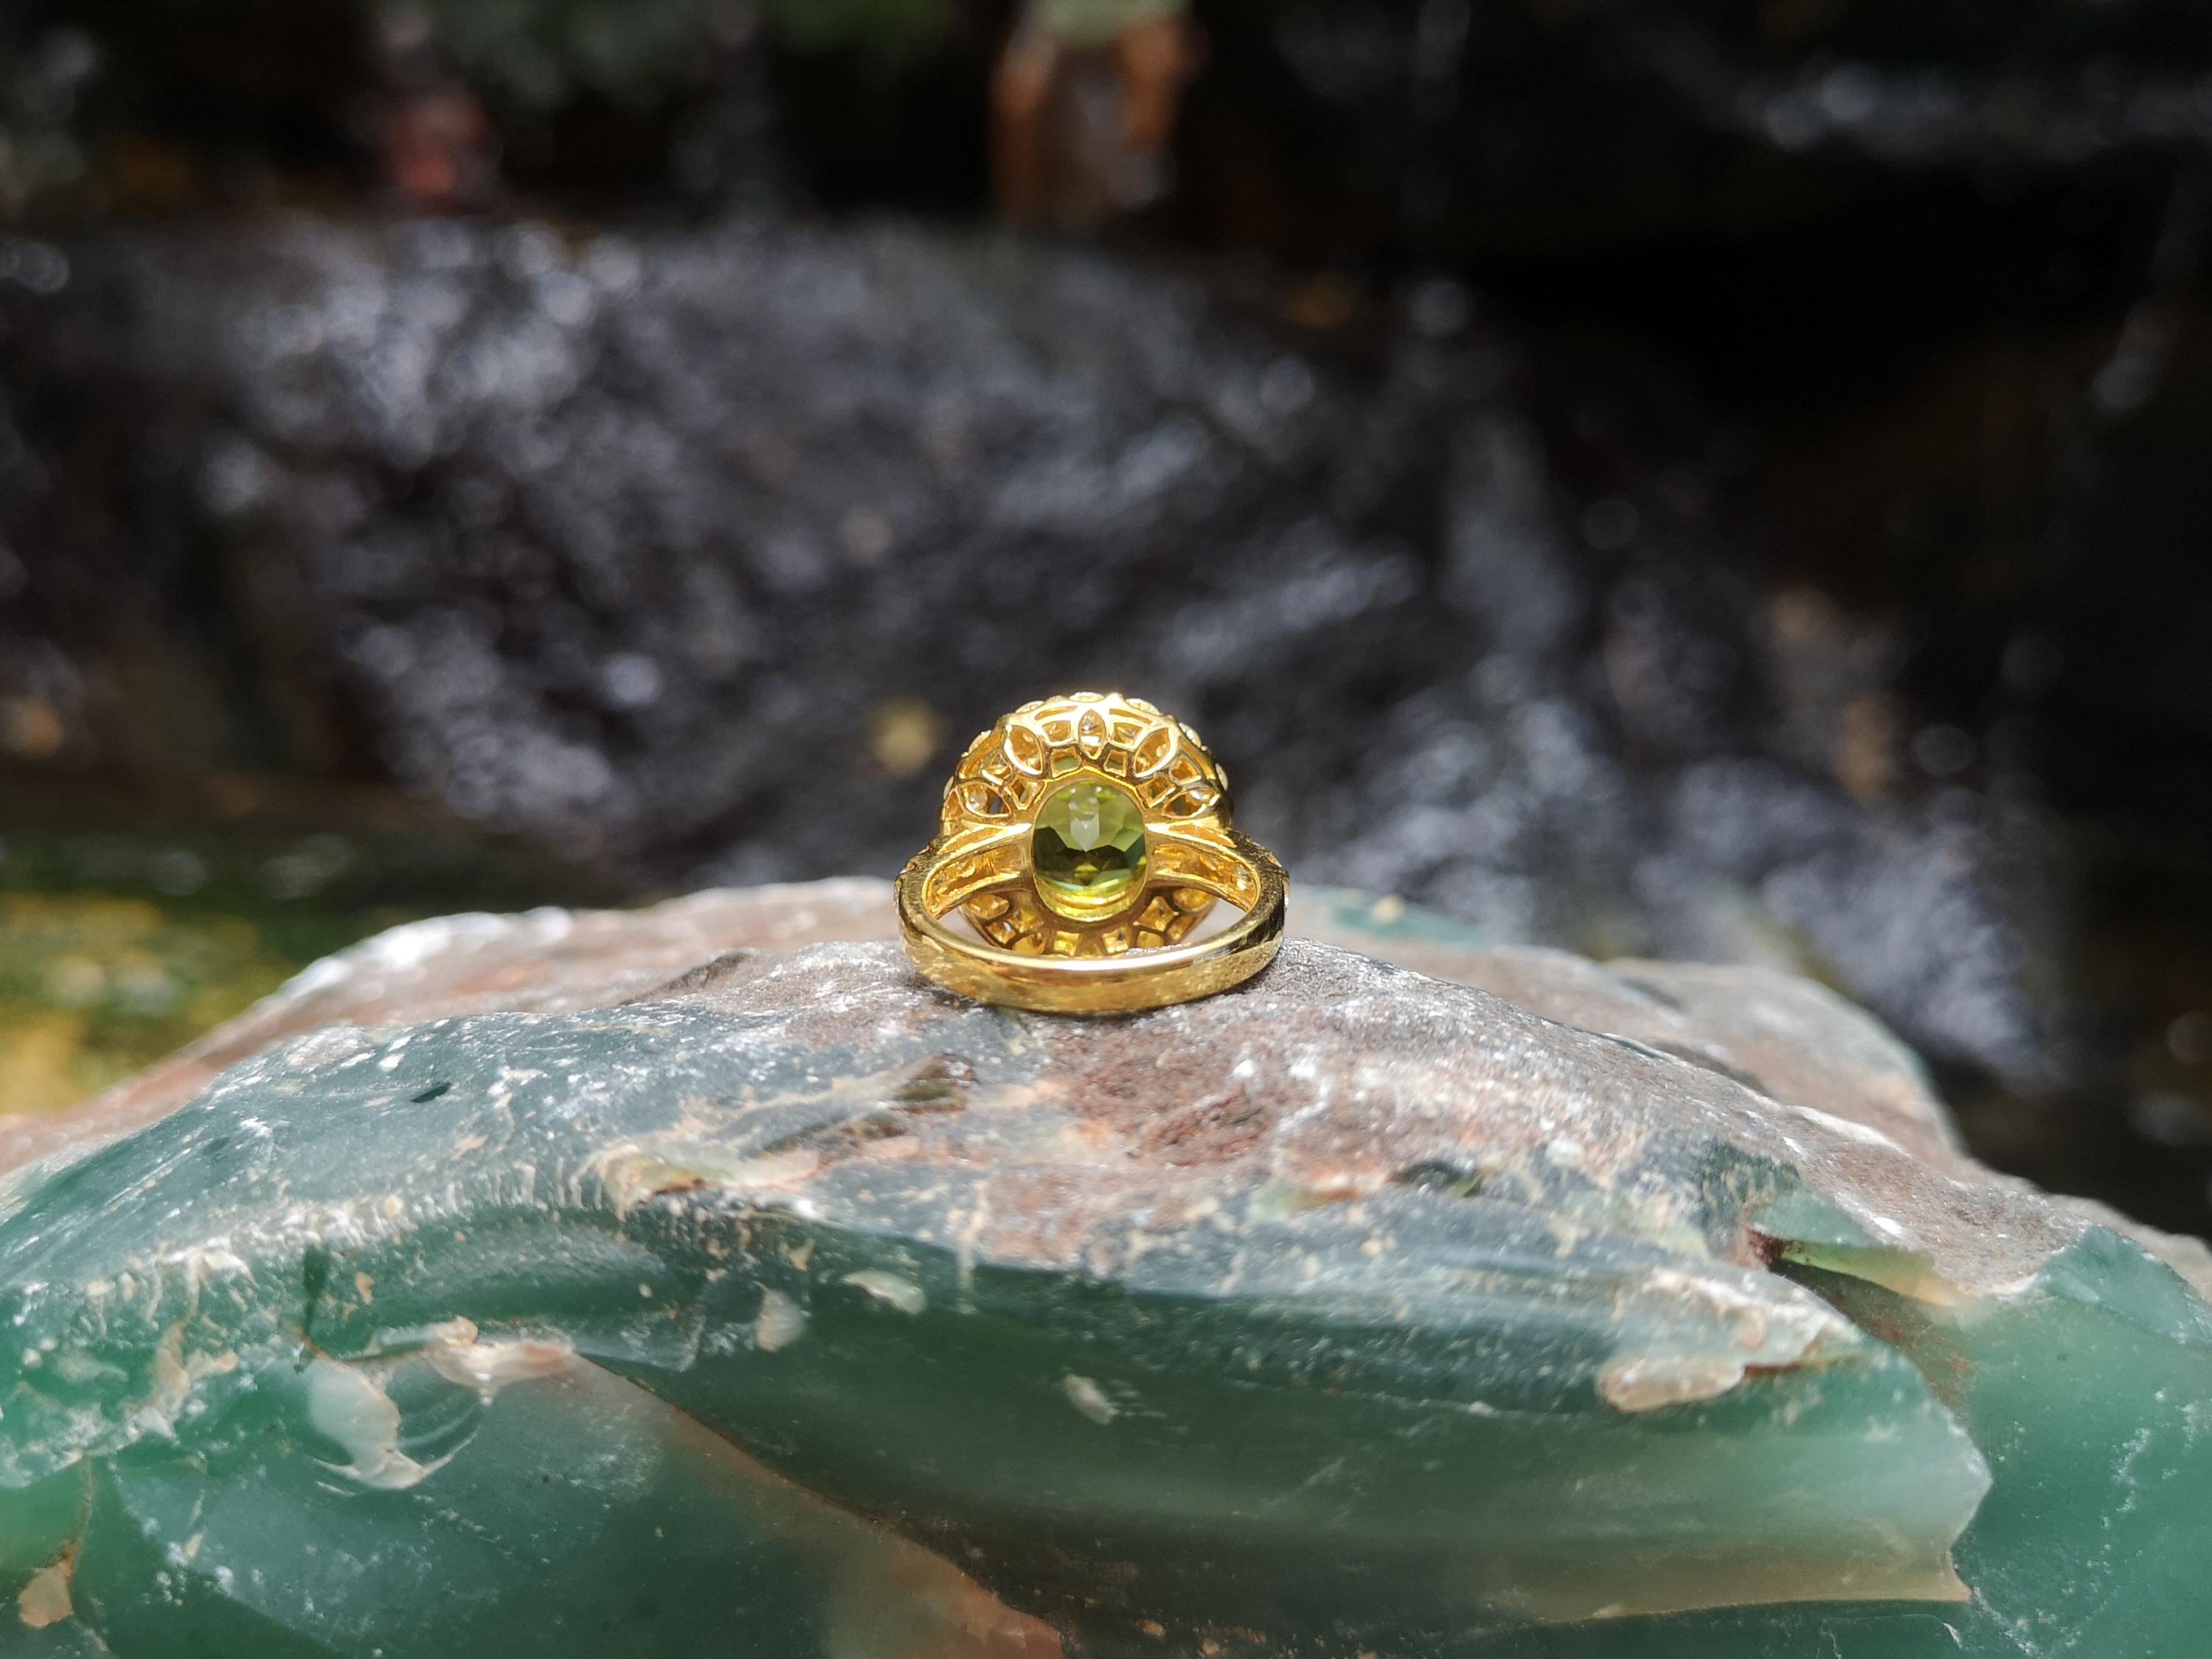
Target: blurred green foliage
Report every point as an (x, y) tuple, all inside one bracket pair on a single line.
[(95, 987), (116, 950), (41, 77), (125, 932), (887, 25)]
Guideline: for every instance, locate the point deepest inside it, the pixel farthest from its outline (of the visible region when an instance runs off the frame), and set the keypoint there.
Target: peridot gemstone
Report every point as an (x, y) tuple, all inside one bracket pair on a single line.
[(1089, 848)]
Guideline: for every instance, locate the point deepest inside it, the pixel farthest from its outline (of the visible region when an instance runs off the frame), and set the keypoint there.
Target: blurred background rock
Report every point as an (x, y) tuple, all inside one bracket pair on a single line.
[(1703, 479)]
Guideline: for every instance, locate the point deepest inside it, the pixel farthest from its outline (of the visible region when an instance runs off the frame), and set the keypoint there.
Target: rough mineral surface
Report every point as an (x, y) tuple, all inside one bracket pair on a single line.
[(700, 1280)]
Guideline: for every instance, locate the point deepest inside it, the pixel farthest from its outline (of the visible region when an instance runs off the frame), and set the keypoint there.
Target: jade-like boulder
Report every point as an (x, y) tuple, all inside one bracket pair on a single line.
[(698, 1280)]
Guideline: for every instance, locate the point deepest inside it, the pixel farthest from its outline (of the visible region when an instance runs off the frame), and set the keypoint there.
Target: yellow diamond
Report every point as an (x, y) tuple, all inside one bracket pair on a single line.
[(1089, 848)]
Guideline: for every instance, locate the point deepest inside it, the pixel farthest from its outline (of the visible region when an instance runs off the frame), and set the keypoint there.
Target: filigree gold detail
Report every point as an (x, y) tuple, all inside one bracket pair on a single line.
[(1007, 774), (1081, 840)]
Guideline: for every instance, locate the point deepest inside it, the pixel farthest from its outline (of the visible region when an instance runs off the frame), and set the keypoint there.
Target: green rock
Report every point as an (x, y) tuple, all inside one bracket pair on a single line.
[(747, 1295)]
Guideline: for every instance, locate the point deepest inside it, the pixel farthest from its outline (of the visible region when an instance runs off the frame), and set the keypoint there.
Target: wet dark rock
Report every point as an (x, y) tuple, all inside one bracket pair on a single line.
[(699, 552), (1506, 126)]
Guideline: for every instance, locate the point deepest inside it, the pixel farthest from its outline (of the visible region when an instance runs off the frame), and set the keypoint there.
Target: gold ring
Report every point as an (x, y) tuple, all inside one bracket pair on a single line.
[(1084, 841)]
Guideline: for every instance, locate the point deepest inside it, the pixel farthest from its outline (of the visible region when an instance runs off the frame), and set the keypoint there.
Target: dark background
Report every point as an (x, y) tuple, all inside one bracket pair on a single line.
[(1721, 480)]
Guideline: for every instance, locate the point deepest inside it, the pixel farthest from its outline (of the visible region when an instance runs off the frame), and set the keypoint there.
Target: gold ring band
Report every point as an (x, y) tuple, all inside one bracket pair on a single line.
[(1083, 842)]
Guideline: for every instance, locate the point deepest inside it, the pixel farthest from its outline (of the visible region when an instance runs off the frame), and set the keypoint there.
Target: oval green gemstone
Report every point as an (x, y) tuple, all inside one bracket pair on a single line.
[(1088, 848)]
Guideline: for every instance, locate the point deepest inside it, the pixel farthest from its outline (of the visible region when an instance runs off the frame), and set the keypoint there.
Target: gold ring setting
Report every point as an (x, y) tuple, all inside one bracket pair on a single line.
[(1084, 844)]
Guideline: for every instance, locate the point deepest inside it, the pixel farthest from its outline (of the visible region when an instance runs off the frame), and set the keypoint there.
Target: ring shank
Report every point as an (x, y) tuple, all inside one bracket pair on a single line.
[(1096, 984)]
